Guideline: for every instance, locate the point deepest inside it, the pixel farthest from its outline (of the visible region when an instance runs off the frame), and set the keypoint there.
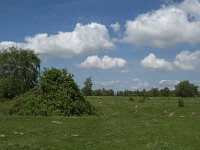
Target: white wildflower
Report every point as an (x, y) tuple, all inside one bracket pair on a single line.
[(2, 135), (58, 122), (74, 135)]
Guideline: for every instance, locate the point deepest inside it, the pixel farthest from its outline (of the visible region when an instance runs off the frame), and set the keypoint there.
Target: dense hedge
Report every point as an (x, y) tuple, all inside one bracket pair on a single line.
[(57, 94)]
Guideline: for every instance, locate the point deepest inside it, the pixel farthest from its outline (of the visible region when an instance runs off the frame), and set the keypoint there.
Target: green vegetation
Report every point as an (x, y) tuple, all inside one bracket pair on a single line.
[(103, 92), (121, 124), (19, 70), (153, 92), (181, 103), (57, 94), (87, 89), (165, 92), (186, 89)]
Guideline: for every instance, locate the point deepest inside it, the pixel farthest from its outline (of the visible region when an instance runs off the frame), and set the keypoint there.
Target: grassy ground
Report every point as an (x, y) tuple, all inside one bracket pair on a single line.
[(154, 124)]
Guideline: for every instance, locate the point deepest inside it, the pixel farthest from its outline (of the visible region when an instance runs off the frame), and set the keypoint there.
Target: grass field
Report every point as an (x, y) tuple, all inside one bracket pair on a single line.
[(156, 124)]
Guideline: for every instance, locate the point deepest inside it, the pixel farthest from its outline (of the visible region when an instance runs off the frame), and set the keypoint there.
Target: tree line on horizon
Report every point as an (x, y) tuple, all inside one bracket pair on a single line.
[(183, 89)]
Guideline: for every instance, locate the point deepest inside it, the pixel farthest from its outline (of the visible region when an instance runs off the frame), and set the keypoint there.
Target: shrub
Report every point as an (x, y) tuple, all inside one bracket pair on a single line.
[(57, 94), (180, 103), (131, 99)]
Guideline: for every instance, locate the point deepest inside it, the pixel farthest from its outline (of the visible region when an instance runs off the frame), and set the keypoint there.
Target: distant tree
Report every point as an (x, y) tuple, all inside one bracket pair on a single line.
[(97, 92), (111, 92), (186, 89), (87, 89), (19, 71), (137, 93), (165, 92), (120, 93), (103, 92), (154, 92), (144, 93)]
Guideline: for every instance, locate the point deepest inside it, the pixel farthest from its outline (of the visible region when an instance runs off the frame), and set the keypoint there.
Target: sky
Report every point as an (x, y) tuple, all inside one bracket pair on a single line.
[(120, 44)]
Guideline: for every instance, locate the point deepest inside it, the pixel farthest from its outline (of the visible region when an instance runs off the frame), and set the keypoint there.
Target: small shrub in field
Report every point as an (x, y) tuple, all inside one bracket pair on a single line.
[(57, 94), (131, 99), (180, 103)]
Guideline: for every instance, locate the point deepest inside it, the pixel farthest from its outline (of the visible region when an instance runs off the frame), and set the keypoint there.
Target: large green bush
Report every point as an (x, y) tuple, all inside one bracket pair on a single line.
[(57, 94)]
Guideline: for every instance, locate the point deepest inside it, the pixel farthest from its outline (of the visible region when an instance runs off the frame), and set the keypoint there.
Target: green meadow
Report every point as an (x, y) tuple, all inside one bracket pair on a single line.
[(150, 124)]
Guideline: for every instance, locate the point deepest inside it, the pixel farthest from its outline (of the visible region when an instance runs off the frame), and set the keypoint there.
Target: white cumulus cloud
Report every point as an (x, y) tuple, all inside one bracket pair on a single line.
[(105, 62), (168, 83), (7, 44), (166, 27), (196, 82), (113, 84), (135, 84), (191, 7), (139, 84), (110, 83), (188, 60), (153, 63), (115, 27), (84, 39)]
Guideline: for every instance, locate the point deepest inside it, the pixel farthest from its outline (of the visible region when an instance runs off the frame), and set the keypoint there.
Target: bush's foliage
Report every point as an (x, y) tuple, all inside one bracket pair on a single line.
[(57, 94)]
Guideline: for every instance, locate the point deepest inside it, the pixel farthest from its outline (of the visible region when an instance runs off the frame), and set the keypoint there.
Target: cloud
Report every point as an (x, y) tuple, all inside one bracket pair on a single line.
[(166, 27), (110, 83), (168, 83), (196, 82), (7, 44), (115, 27), (139, 84), (84, 39), (113, 84), (185, 60), (172, 83), (135, 84), (153, 63), (191, 7), (105, 62), (188, 60)]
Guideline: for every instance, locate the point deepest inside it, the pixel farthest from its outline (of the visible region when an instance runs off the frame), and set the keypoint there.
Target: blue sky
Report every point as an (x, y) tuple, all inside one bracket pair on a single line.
[(132, 44)]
